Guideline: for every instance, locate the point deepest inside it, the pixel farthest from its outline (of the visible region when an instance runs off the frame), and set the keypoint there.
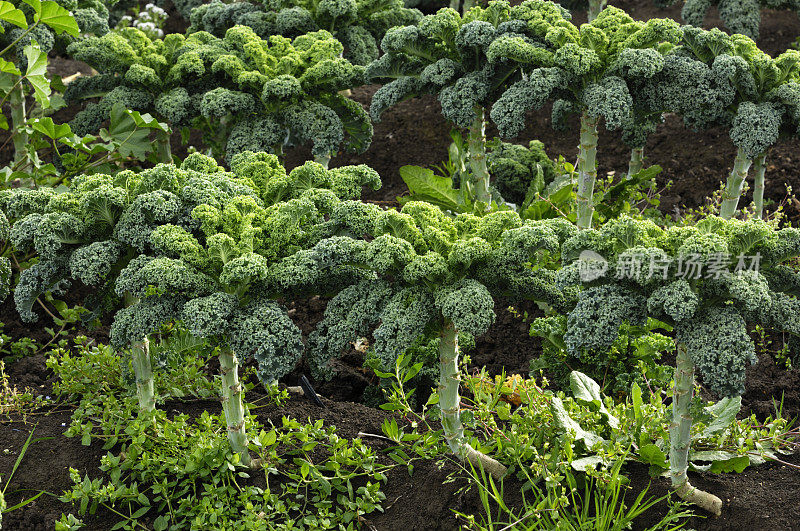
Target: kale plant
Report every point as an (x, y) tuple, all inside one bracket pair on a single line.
[(707, 281), (419, 270), (194, 243), (469, 61), (244, 92), (592, 70), (741, 88)]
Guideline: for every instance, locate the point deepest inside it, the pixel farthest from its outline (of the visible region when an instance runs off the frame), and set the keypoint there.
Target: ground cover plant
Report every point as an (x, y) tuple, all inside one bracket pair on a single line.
[(533, 343)]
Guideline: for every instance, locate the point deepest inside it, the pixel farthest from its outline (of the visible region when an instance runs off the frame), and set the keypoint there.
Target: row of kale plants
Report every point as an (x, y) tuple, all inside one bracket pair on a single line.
[(217, 248), (265, 85)]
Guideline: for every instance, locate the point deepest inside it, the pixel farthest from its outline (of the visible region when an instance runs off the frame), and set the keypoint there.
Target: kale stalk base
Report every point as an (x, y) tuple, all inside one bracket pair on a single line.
[(449, 402), (733, 189), (143, 371), (232, 405), (637, 161), (680, 436)]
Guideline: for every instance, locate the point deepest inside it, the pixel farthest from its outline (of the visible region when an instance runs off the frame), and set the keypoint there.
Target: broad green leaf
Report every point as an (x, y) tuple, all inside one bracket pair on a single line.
[(127, 137), (47, 127), (653, 455), (424, 185), (569, 425), (720, 461), (146, 120), (587, 390), (7, 82), (3, 122), (11, 14), (586, 462), (55, 16), (636, 398), (35, 74), (724, 412), (9, 68)]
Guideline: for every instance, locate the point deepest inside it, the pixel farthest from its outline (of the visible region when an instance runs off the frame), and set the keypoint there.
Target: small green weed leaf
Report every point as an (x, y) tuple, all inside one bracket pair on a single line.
[(653, 455), (160, 523)]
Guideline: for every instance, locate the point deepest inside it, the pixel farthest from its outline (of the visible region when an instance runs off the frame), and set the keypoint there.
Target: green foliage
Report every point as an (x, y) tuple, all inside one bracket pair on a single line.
[(420, 267), (633, 356), (187, 476), (468, 61), (243, 92), (700, 279), (592, 72), (358, 24), (424, 350), (193, 243), (518, 170)]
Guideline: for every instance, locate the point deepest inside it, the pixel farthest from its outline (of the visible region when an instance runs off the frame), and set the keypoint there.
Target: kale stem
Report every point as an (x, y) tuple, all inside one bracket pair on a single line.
[(143, 371), (163, 147), (595, 6), (587, 170), (232, 404), (449, 401), (680, 435), (637, 161), (325, 160), (733, 189), (17, 103), (477, 156), (759, 168)]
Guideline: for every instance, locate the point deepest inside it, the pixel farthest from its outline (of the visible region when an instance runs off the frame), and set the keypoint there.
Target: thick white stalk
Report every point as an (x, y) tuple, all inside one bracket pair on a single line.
[(759, 169), (323, 159), (637, 161), (733, 189), (143, 372), (232, 404), (680, 436), (16, 101), (477, 156), (449, 401), (587, 170), (595, 6)]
